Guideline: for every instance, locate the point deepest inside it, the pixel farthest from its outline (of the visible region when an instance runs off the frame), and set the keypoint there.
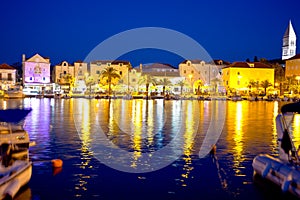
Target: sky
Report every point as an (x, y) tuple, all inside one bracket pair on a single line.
[(231, 30)]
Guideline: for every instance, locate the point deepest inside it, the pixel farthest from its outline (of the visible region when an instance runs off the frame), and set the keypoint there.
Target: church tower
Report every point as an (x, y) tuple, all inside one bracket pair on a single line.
[(289, 42)]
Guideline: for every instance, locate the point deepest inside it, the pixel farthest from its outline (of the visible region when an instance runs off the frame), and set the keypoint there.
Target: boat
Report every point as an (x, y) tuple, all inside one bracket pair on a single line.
[(14, 93), (15, 169), (14, 177), (283, 170), (31, 91), (12, 131)]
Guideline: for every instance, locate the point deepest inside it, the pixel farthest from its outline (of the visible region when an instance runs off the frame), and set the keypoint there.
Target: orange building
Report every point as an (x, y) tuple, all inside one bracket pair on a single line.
[(292, 66)]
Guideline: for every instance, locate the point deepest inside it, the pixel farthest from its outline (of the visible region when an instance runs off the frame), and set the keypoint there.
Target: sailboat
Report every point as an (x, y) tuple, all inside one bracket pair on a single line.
[(283, 170)]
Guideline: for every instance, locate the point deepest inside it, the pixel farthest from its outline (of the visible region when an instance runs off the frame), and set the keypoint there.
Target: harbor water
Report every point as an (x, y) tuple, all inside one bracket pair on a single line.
[(155, 149)]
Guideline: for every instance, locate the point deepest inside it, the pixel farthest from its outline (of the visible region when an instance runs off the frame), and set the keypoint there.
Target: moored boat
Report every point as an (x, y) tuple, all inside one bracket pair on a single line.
[(12, 131), (14, 177), (283, 170)]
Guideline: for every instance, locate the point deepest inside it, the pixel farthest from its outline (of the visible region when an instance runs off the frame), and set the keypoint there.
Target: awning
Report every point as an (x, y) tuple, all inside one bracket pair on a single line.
[(13, 115), (291, 107)]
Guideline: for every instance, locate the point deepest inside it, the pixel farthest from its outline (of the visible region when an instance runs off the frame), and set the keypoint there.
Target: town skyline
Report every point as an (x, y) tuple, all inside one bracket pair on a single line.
[(69, 31)]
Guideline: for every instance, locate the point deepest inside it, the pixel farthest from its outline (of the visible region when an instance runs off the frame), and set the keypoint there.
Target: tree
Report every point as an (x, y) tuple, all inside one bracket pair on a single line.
[(265, 84), (89, 81), (165, 82), (252, 84), (199, 85), (110, 73), (70, 80), (147, 80), (181, 83), (255, 59)]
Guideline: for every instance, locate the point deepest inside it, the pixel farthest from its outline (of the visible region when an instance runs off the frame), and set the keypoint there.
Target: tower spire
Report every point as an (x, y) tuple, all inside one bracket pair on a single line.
[(289, 42)]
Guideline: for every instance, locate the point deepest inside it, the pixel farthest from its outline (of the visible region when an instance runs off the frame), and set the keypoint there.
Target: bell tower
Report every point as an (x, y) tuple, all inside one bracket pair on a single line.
[(289, 42)]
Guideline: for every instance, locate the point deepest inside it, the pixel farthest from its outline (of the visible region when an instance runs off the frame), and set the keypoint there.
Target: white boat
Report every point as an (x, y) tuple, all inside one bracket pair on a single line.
[(13, 93), (14, 177), (283, 170), (12, 131), (30, 91), (15, 170)]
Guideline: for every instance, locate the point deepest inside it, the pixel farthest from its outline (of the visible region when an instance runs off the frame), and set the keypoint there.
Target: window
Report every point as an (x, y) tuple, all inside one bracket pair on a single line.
[(30, 78), (133, 80), (9, 77), (121, 73), (65, 72), (192, 71), (238, 73), (226, 82), (292, 43), (98, 72), (0, 76), (238, 82), (121, 81), (184, 71), (44, 78)]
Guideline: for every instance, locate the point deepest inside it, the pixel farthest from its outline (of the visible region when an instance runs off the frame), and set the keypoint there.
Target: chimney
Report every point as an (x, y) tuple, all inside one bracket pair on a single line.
[(23, 57)]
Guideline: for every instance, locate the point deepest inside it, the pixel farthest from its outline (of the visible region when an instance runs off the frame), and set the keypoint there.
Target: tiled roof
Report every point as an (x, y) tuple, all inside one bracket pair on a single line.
[(249, 65), (194, 61), (113, 62), (6, 66), (158, 66)]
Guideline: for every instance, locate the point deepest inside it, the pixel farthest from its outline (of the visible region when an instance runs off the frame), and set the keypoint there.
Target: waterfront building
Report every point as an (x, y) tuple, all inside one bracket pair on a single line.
[(200, 74), (165, 75), (36, 74), (289, 42), (121, 67), (66, 75), (292, 66), (247, 77), (7, 76)]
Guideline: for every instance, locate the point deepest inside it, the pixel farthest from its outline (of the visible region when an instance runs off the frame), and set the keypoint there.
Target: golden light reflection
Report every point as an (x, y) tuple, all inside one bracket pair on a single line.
[(137, 117), (296, 130), (274, 133), (188, 142), (238, 139)]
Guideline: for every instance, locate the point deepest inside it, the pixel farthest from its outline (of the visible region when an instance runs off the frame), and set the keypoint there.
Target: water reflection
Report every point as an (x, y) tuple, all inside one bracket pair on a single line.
[(142, 129), (238, 156)]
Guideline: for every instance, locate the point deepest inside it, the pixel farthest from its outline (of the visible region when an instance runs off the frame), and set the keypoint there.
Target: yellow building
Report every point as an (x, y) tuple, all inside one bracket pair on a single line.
[(243, 76), (292, 66)]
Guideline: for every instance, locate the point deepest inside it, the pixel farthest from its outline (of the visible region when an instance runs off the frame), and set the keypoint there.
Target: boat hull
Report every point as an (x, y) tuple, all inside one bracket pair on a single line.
[(18, 177), (283, 174)]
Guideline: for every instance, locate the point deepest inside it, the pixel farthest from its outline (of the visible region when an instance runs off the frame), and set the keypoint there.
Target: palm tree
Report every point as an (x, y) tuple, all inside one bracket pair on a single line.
[(165, 82), (252, 84), (199, 84), (70, 80), (110, 73), (265, 84), (147, 80), (181, 83), (89, 81)]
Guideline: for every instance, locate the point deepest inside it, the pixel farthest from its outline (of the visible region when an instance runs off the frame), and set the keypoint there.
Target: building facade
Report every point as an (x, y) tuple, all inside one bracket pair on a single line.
[(198, 73), (289, 42), (37, 74), (7, 76), (242, 76), (292, 66)]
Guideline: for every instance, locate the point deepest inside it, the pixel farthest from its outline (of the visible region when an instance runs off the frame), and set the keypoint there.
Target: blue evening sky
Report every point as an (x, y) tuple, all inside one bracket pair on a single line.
[(231, 30)]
